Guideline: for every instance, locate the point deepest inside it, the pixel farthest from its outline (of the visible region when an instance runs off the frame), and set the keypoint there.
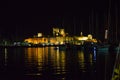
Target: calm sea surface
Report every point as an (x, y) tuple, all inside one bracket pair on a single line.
[(48, 63)]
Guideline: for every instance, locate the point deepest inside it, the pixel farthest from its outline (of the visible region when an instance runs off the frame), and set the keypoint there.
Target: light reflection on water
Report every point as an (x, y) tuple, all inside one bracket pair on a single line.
[(47, 60), (44, 58), (56, 64), (81, 60)]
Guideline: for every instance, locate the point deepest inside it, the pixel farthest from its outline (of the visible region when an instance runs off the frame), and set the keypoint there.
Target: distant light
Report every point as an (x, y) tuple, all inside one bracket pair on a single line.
[(61, 43), (62, 32), (39, 34), (106, 34), (82, 38), (89, 36), (56, 34), (57, 43), (43, 44), (81, 34)]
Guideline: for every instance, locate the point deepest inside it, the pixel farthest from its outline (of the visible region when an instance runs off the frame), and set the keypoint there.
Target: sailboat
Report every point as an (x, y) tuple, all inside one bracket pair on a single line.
[(113, 46), (104, 47)]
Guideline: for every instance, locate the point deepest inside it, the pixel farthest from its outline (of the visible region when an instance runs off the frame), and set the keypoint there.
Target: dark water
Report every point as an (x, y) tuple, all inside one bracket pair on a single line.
[(49, 64)]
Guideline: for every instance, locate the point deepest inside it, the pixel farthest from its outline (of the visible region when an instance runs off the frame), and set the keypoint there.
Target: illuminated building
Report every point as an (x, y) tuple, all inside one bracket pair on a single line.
[(58, 32), (62, 32), (59, 38), (55, 31)]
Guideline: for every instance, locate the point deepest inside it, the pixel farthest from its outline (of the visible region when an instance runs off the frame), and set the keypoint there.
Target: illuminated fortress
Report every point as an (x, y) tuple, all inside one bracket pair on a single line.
[(59, 38)]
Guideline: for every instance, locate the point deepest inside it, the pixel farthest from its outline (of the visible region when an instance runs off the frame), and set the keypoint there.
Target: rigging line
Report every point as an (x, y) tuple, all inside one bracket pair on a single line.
[(108, 20), (116, 60), (116, 21)]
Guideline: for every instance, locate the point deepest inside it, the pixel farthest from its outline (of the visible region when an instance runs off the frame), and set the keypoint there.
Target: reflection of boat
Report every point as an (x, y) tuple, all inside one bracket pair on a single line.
[(103, 48), (107, 48)]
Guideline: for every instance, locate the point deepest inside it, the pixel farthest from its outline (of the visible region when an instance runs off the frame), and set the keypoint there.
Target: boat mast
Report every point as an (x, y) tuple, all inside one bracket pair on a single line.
[(89, 26), (91, 23), (116, 32), (96, 26), (81, 28), (107, 29), (74, 25)]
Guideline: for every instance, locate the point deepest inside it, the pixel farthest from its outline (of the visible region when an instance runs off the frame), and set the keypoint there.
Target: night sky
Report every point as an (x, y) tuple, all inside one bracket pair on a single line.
[(26, 18)]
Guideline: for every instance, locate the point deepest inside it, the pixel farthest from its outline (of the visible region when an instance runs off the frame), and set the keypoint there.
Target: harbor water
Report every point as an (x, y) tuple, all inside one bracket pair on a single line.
[(48, 63)]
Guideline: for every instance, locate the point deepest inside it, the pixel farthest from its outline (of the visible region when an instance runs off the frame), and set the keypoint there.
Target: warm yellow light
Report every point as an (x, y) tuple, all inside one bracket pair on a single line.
[(82, 38), (61, 43), (62, 32), (56, 34), (39, 34), (89, 36), (94, 40), (57, 43)]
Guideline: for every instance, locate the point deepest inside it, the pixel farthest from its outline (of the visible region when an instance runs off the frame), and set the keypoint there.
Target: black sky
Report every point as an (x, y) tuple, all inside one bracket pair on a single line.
[(27, 18)]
